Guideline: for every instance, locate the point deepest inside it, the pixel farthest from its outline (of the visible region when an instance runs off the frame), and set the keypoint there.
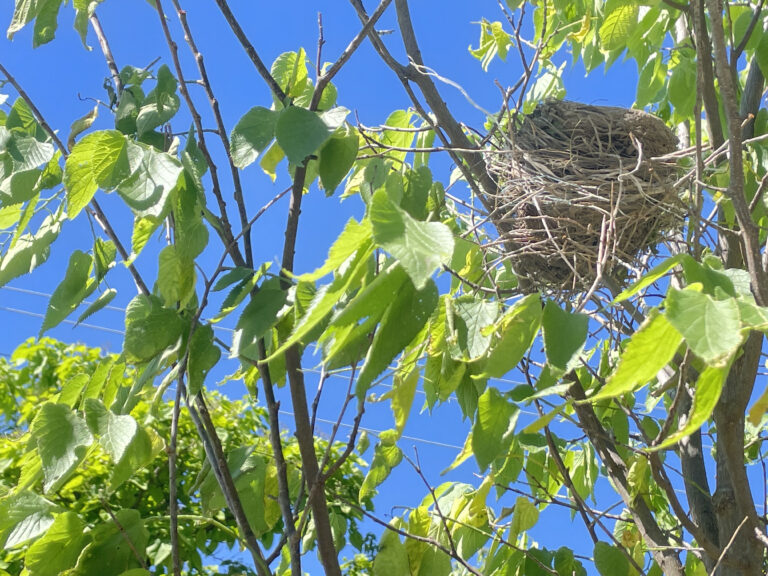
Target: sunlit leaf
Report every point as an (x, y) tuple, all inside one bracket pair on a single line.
[(62, 438), (421, 247), (651, 348), (710, 327)]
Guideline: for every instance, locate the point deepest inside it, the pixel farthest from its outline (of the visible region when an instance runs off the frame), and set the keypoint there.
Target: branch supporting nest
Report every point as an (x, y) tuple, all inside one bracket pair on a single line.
[(584, 190)]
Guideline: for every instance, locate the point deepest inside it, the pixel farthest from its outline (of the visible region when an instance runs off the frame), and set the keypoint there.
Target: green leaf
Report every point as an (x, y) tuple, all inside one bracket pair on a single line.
[(203, 356), (271, 158), (421, 247), (651, 348), (137, 455), (62, 438), (24, 516), (470, 320), (237, 274), (160, 105), (300, 133), (349, 241), (251, 135), (519, 327), (115, 433), (327, 297), (525, 516), (707, 393), (290, 72), (336, 158), (618, 25), (147, 189), (564, 336), (30, 251), (103, 300), (20, 187), (652, 276), (494, 427), (257, 318), (57, 551), (175, 277), (68, 295), (46, 23), (398, 138), (104, 252), (150, 328), (25, 11), (761, 54), (81, 125), (403, 392), (711, 328), (400, 324), (83, 10), (386, 456), (100, 160), (610, 561), (109, 553), (391, 557), (143, 228), (679, 91)]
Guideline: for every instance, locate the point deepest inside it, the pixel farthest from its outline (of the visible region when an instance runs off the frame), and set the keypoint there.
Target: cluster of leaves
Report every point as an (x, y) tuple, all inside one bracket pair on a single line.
[(84, 471)]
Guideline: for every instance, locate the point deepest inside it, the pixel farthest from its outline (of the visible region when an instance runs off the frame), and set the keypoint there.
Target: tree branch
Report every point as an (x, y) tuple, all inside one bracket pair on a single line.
[(107, 51), (226, 231), (665, 557), (251, 51), (95, 209), (222, 131)]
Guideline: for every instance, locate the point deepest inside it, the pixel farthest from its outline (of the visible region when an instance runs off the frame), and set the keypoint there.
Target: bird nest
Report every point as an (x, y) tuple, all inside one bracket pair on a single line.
[(582, 190)]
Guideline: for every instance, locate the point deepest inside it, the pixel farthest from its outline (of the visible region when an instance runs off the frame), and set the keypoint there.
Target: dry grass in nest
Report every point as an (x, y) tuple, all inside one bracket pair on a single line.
[(581, 190)]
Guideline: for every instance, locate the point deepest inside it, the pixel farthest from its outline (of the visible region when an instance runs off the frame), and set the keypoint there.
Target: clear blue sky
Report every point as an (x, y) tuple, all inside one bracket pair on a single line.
[(59, 74)]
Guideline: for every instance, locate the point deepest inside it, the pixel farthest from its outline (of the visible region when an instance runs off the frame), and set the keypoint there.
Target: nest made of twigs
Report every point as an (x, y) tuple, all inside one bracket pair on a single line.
[(581, 190)]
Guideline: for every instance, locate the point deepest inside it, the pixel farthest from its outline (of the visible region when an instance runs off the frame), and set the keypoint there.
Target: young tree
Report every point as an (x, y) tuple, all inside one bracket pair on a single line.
[(638, 375)]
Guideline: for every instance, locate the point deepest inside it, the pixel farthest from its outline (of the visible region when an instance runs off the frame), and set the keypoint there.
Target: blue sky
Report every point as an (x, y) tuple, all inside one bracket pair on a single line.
[(61, 76)]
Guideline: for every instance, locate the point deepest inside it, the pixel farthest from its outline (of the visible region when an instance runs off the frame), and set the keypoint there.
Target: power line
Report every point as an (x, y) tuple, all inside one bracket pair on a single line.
[(72, 322), (108, 307)]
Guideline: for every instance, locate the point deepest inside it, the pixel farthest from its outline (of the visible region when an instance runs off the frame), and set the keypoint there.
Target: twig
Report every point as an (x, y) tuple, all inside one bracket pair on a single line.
[(727, 546), (227, 484), (124, 534), (174, 504), (226, 228), (222, 131), (98, 213), (107, 51), (251, 51), (324, 79), (454, 553)]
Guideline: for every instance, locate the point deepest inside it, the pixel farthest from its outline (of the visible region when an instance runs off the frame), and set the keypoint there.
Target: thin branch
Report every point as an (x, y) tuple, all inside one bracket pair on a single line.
[(226, 483), (226, 228), (454, 553), (728, 546), (736, 52), (326, 78), (125, 535), (172, 480), (251, 51), (222, 131), (107, 51), (97, 212)]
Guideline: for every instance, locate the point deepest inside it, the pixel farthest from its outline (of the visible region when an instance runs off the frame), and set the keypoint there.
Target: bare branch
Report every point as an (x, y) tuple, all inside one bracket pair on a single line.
[(107, 51), (251, 51)]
